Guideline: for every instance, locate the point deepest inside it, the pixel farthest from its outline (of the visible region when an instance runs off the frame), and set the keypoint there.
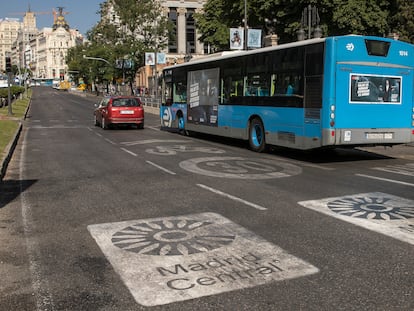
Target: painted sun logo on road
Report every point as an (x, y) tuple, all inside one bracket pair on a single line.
[(169, 238), (379, 208)]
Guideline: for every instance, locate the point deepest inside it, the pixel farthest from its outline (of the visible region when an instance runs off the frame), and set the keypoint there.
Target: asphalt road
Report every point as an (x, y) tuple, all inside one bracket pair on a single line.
[(128, 219)]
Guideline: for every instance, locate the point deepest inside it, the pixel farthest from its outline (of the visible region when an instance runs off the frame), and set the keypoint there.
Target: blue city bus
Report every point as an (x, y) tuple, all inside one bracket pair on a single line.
[(343, 91)]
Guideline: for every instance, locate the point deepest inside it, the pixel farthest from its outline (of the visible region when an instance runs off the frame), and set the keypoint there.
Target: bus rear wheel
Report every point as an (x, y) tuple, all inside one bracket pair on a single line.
[(257, 141), (181, 123)]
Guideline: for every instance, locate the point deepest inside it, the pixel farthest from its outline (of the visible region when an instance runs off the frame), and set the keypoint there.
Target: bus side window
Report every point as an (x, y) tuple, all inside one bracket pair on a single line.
[(226, 90), (167, 95), (279, 85), (232, 81), (180, 92), (238, 88), (257, 85)]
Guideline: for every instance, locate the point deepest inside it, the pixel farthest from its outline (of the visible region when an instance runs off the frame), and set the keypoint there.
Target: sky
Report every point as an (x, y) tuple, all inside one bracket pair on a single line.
[(82, 14)]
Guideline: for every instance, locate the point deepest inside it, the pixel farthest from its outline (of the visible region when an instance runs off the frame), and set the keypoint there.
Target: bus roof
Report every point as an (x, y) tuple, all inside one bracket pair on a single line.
[(232, 54)]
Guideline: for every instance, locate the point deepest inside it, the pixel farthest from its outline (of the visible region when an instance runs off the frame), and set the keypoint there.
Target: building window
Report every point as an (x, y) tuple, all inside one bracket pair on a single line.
[(190, 31), (172, 36)]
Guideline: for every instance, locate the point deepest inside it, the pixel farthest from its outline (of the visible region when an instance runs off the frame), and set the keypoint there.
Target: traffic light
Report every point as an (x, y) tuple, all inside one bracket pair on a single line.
[(8, 64)]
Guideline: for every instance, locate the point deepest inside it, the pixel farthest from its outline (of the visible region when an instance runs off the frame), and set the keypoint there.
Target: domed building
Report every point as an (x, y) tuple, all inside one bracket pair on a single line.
[(50, 47)]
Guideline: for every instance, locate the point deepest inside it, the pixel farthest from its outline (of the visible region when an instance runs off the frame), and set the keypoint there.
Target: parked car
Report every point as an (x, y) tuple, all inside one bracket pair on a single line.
[(119, 110)]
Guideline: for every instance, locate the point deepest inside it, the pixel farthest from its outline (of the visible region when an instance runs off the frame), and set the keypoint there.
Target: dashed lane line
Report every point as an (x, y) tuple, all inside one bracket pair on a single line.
[(387, 180), (161, 168), (152, 141), (237, 199), (110, 141), (130, 152)]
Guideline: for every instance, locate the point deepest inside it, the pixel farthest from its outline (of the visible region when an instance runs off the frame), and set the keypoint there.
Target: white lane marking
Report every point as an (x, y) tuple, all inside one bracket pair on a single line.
[(110, 141), (130, 152), (152, 141), (386, 179), (406, 169), (40, 284), (169, 259), (161, 168), (153, 128), (232, 197), (41, 127)]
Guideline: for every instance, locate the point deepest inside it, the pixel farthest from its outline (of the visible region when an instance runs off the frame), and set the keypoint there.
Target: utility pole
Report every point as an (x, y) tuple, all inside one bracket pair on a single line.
[(8, 70), (245, 26)]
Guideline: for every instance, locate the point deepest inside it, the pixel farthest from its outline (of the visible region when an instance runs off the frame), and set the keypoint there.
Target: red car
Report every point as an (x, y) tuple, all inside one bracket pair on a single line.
[(119, 110)]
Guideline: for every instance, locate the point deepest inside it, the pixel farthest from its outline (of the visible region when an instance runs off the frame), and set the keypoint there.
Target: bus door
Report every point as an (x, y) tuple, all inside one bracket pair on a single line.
[(314, 60), (312, 111)]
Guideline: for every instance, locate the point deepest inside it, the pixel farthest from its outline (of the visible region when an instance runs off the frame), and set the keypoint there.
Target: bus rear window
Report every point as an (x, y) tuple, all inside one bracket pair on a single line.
[(377, 48)]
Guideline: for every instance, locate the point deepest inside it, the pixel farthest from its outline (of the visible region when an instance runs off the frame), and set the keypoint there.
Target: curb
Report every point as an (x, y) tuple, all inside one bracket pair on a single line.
[(12, 145), (9, 151)]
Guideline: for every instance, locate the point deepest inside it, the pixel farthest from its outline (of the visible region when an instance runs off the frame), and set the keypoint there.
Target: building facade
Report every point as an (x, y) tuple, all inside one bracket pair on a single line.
[(9, 28), (44, 51), (47, 51), (180, 13), (21, 46)]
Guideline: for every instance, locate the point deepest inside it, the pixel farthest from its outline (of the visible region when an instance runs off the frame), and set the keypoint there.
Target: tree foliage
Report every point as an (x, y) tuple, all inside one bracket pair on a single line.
[(402, 19), (141, 28), (215, 30), (337, 17)]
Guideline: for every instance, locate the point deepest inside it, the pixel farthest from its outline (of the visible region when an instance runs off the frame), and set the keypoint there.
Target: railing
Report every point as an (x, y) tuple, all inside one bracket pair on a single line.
[(150, 101)]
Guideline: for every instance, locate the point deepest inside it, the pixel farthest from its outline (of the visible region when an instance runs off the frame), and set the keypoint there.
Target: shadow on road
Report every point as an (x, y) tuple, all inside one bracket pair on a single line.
[(328, 155), (11, 189)]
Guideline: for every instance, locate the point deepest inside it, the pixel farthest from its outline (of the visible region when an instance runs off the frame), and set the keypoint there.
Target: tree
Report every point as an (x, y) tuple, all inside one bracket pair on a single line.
[(402, 19), (215, 31), (358, 17), (337, 17), (139, 27)]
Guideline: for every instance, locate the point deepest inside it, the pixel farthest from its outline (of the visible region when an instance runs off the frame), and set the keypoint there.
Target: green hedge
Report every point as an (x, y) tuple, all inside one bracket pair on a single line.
[(15, 90)]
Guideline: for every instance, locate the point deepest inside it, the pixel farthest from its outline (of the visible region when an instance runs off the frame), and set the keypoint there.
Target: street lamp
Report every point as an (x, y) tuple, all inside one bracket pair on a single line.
[(96, 58), (310, 18), (270, 25), (270, 38)]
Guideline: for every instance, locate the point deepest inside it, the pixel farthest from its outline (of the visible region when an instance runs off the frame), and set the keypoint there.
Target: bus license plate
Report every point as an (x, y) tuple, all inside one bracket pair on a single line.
[(379, 135)]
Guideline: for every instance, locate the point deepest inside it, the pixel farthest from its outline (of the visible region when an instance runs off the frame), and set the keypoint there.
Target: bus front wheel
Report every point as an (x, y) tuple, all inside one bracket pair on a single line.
[(257, 135)]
